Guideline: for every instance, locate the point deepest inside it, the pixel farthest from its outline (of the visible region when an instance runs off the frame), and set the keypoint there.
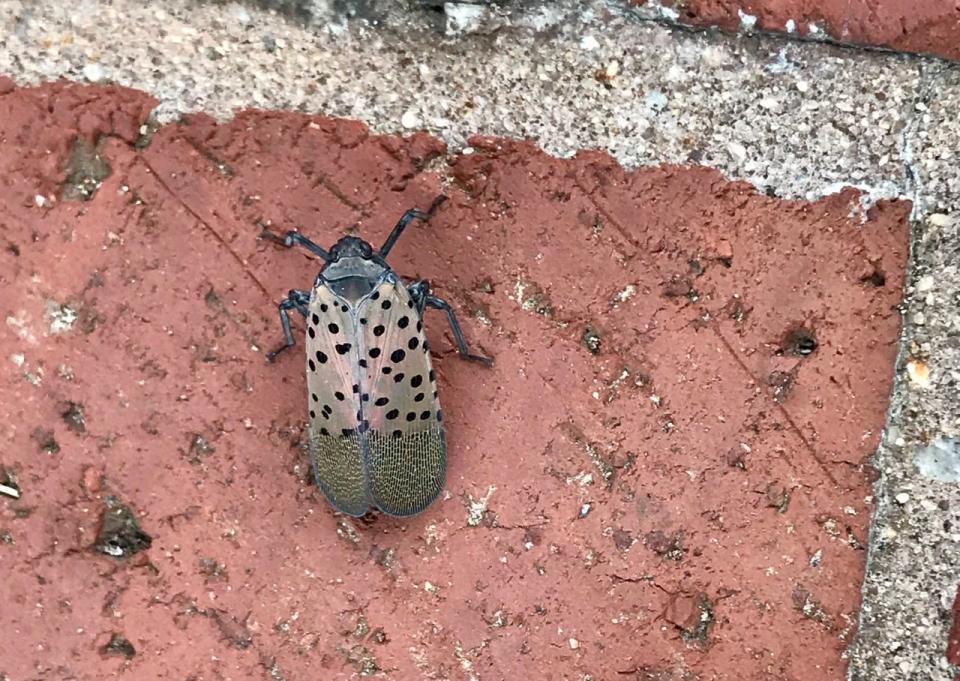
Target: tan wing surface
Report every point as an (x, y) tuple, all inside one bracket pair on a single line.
[(333, 394), (404, 436)]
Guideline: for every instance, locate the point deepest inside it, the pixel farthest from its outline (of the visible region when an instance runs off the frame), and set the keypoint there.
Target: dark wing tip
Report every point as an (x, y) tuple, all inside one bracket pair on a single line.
[(352, 512)]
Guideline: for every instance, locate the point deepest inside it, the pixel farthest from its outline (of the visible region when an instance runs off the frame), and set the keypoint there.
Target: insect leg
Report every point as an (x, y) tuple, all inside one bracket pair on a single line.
[(441, 304), (419, 290), (295, 300), (406, 219), (295, 238)]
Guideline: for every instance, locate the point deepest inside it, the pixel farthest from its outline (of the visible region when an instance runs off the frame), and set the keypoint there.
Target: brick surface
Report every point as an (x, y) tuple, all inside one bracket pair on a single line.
[(663, 476), (925, 26)]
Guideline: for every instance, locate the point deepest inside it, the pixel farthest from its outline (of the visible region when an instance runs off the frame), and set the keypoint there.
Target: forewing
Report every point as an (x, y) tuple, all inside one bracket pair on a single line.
[(333, 393), (406, 445)]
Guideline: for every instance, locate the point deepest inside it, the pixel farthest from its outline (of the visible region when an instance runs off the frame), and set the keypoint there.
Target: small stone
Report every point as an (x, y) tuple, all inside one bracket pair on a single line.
[(747, 21), (464, 17), (119, 645), (241, 14), (803, 86), (589, 43), (656, 101), (120, 534), (939, 460), (737, 151), (925, 283), (574, 643), (92, 480), (939, 219), (410, 120), (902, 498), (93, 72), (919, 373)]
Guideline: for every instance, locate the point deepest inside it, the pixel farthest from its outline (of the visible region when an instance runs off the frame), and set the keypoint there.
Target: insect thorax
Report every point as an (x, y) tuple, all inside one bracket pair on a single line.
[(352, 278)]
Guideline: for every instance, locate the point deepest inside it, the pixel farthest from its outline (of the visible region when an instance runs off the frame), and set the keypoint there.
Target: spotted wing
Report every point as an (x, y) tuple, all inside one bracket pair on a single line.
[(406, 448), (333, 393)]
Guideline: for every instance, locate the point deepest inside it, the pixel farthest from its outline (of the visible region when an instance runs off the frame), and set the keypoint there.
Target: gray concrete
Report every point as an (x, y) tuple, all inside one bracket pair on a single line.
[(797, 119)]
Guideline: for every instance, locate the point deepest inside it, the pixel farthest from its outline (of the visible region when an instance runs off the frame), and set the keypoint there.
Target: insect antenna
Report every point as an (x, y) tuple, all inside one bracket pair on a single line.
[(406, 219)]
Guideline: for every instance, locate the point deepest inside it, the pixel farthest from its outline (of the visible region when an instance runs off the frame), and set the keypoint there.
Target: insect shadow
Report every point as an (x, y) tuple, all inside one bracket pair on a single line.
[(376, 427)]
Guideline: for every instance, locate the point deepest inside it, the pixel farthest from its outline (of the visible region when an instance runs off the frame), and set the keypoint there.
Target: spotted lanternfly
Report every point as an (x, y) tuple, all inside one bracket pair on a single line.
[(376, 431)]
